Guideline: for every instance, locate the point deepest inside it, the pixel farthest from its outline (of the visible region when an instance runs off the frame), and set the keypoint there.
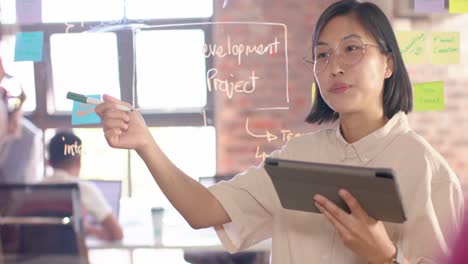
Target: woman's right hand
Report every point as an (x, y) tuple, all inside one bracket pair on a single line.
[(122, 129)]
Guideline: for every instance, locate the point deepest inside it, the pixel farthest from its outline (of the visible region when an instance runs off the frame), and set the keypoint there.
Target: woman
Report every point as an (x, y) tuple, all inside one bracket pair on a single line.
[(362, 83)]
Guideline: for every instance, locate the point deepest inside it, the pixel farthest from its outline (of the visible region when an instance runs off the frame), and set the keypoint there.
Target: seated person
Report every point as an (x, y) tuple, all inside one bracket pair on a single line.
[(25, 149), (67, 166), (22, 143)]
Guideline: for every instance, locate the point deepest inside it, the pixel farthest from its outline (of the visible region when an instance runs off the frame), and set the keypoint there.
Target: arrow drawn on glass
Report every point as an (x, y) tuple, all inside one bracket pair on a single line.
[(269, 136)]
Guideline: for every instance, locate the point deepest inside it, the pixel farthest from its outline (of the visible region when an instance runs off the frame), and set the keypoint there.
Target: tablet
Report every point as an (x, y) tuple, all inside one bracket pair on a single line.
[(376, 189)]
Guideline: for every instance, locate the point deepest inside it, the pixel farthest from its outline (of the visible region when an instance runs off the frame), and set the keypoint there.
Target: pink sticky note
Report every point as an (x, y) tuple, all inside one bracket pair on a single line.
[(429, 6), (84, 113)]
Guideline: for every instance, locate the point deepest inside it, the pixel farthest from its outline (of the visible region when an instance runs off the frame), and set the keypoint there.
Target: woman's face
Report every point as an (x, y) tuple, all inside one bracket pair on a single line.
[(350, 83)]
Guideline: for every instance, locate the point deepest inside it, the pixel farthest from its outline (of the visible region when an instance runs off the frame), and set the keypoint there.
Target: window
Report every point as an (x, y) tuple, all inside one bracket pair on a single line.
[(22, 70), (159, 68), (171, 69), (83, 62), (96, 152), (192, 149), (8, 11)]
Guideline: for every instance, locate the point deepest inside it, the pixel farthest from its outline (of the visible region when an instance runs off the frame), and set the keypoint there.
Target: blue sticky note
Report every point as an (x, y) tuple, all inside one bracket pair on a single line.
[(84, 113), (29, 46)]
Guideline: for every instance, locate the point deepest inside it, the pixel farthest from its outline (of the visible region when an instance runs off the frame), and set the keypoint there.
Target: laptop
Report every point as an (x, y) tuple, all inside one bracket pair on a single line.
[(40, 211), (112, 191)]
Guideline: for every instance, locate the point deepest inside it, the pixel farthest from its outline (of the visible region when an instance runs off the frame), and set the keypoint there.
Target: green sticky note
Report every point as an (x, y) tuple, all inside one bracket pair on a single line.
[(445, 48), (428, 96), (458, 6), (412, 46)]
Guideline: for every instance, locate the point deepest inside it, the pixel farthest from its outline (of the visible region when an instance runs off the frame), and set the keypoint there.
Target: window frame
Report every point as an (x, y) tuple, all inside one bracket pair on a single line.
[(44, 116)]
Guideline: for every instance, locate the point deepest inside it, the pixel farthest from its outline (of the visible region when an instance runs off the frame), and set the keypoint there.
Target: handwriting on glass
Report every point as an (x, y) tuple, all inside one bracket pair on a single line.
[(71, 149), (231, 84)]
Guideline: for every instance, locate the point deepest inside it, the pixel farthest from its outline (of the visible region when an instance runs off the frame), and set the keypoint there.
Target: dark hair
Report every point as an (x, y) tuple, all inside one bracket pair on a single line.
[(397, 94), (64, 148)]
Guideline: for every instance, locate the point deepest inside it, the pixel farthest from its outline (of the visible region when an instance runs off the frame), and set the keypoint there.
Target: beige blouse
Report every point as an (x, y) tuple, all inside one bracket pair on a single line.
[(430, 191)]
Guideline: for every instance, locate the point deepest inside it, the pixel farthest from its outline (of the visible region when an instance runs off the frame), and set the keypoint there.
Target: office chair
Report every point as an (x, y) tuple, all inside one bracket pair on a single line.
[(41, 224)]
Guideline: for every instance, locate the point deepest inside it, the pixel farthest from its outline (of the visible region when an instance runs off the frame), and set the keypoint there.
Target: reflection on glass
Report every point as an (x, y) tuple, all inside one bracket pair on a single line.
[(143, 9), (171, 69), (84, 63)]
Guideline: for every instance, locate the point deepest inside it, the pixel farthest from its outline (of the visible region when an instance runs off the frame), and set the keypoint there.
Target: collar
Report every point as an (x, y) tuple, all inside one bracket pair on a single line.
[(368, 147)]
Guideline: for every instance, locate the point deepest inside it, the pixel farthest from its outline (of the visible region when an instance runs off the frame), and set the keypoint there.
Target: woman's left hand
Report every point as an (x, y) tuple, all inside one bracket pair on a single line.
[(361, 233)]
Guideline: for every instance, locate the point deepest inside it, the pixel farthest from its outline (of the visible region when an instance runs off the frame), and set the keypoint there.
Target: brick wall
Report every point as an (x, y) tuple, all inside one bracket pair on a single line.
[(238, 148)]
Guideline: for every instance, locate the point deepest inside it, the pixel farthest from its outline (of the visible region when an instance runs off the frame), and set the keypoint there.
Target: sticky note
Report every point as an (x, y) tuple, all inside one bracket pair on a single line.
[(412, 46), (429, 6), (428, 96), (28, 11), (28, 46), (458, 6), (84, 113), (445, 47)]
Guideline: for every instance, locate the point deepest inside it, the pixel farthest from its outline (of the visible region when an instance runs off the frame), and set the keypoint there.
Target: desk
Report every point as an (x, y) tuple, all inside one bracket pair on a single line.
[(176, 234)]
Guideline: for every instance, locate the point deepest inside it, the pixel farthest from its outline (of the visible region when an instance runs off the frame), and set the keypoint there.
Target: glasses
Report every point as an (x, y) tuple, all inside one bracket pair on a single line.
[(349, 52), (11, 93)]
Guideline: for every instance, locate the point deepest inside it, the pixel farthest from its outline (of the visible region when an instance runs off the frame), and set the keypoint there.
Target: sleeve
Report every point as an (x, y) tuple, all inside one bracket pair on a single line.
[(434, 215), (250, 198), (250, 201), (94, 201)]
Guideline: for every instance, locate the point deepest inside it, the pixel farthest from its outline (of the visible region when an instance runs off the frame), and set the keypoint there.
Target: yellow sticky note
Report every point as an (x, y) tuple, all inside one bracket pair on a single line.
[(445, 48), (458, 6), (412, 46), (428, 96), (313, 93)]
